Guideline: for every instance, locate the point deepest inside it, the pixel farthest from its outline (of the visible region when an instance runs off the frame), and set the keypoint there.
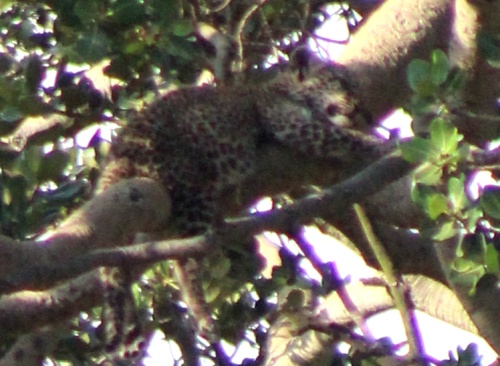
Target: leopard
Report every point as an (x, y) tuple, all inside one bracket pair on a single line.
[(202, 142)]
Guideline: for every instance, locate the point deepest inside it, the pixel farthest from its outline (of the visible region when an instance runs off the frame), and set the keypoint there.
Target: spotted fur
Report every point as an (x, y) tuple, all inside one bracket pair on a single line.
[(200, 142)]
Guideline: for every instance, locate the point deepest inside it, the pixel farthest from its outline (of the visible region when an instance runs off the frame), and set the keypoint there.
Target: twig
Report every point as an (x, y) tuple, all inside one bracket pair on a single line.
[(476, 116), (140, 254), (341, 196), (332, 273), (221, 7), (239, 31), (396, 286)]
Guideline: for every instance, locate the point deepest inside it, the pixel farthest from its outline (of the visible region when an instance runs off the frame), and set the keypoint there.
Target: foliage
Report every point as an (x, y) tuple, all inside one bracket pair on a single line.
[(466, 357), (490, 48), (440, 184)]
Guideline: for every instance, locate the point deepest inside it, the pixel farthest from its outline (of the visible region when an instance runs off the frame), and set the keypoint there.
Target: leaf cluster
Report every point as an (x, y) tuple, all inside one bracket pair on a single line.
[(440, 183)]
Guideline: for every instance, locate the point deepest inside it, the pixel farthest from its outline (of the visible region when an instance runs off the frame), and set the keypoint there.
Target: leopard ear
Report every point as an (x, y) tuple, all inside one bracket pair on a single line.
[(219, 49), (305, 62)]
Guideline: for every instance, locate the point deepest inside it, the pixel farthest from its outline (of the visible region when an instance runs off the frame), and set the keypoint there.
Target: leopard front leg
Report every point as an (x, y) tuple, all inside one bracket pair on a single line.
[(314, 131), (194, 213)]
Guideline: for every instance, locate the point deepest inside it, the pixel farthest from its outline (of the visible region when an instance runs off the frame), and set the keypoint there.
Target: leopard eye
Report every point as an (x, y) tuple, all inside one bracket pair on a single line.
[(332, 109)]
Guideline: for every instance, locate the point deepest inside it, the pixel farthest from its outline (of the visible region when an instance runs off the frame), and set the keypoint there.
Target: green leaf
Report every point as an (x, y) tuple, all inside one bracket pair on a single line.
[(11, 114), (270, 9), (295, 300), (221, 268), (463, 265), (67, 192), (444, 136), (87, 11), (429, 174), (421, 105), (455, 81), (4, 4), (119, 67), (28, 163), (491, 259), (444, 231), (473, 247), (463, 152), (466, 273), (490, 201), (420, 78), (439, 67), (456, 193), (419, 193), (181, 47), (489, 45), (137, 47), (32, 104), (73, 97), (169, 11), (415, 150), (91, 47), (182, 28), (472, 215), (127, 12), (27, 29), (137, 294), (52, 165), (33, 72), (494, 63), (469, 356), (436, 205), (14, 190), (211, 293)]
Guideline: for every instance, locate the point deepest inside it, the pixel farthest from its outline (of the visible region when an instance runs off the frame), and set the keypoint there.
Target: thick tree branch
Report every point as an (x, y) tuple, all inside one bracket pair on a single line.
[(31, 349), (109, 220), (23, 311), (340, 196), (73, 257), (382, 49)]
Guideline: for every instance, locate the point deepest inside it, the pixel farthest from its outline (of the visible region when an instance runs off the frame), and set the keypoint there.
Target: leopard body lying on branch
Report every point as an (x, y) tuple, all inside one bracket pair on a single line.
[(203, 143)]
